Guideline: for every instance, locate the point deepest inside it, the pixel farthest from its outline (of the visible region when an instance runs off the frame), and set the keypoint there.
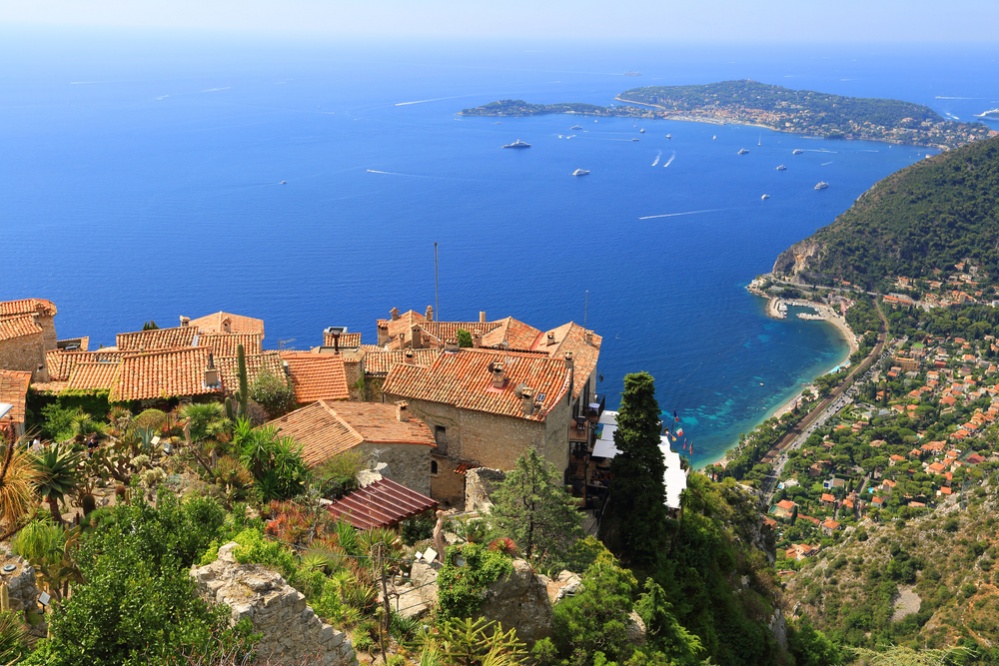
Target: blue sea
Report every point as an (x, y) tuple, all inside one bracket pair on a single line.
[(142, 176)]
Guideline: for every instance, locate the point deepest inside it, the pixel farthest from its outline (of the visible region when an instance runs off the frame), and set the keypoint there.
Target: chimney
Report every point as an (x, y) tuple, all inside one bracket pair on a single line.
[(527, 401), (227, 325), (184, 321), (211, 373), (476, 339), (410, 357), (394, 313), (569, 363), (429, 313), (482, 316), (588, 336), (551, 338), (498, 371), (416, 337), (451, 345), (402, 411)]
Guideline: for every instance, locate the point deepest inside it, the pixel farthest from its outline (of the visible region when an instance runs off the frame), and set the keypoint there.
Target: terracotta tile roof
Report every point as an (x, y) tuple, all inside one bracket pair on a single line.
[(27, 306), (436, 333), (18, 327), (226, 322), (383, 503), (157, 338), (316, 376), (61, 363), (347, 340), (163, 374), (380, 361), (515, 333), (224, 344), (464, 379), (93, 376), (14, 391), (256, 365), (325, 429), (584, 345)]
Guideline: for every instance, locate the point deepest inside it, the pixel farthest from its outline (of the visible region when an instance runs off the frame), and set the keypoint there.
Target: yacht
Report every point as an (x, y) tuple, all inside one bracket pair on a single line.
[(576, 127), (518, 144), (821, 185), (765, 197), (797, 151), (641, 131), (781, 167), (743, 151), (669, 136), (581, 172)]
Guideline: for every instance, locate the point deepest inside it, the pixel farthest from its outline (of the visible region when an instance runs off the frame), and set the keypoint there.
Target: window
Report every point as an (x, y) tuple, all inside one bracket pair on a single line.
[(433, 468), (440, 436)]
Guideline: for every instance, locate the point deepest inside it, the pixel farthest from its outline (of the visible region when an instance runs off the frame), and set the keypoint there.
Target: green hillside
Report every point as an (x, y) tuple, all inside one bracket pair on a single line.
[(926, 217)]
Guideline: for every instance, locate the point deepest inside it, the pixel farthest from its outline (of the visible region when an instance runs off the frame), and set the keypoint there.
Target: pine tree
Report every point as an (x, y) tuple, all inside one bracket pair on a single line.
[(635, 520), (533, 509)]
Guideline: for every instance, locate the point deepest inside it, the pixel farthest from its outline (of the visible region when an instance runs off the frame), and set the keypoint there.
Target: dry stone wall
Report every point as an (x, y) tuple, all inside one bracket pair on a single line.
[(292, 632)]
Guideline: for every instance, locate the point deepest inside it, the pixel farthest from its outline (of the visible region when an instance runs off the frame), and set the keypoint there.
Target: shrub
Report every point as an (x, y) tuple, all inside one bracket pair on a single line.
[(461, 584)]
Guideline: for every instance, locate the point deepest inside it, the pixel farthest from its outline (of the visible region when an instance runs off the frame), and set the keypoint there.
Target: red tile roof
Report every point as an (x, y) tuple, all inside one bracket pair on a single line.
[(463, 379), (383, 503), (226, 322), (18, 327), (163, 374), (61, 362), (14, 391), (346, 340), (27, 306), (316, 376), (379, 362), (225, 344), (93, 376), (157, 338), (584, 345), (325, 429), (511, 333)]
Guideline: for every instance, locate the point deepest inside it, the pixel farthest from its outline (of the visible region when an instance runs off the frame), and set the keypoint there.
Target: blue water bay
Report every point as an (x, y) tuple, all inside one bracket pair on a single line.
[(146, 178)]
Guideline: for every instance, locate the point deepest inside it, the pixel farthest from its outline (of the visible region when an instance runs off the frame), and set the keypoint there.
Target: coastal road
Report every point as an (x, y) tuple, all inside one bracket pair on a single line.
[(840, 396)]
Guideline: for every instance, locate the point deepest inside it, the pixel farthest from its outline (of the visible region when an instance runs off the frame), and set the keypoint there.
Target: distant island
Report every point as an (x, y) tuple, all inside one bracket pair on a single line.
[(773, 107)]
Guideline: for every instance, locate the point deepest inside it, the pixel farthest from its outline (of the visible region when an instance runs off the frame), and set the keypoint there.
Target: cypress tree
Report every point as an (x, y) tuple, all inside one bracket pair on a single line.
[(635, 520)]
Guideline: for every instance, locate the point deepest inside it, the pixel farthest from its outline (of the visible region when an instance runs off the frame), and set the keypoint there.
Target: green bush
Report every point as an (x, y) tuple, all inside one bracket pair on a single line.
[(461, 584)]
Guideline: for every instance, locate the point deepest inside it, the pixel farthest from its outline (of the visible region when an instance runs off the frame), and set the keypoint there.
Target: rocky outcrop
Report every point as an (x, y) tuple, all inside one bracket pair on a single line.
[(291, 631), (798, 259), (20, 580), (479, 485), (519, 600)]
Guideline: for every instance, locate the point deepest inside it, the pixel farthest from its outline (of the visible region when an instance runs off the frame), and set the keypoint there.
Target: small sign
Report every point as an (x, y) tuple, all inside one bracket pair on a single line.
[(430, 555), (44, 598)]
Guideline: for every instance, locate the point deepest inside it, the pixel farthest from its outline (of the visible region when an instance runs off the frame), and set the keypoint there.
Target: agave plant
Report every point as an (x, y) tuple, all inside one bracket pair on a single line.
[(18, 475), (59, 474)]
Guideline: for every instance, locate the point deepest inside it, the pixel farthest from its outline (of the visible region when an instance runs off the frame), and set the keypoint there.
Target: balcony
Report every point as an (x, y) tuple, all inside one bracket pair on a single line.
[(596, 407)]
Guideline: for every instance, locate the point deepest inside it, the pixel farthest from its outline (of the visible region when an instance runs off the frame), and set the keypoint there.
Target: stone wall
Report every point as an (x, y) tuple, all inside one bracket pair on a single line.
[(479, 485), (408, 464), (26, 353), (20, 582), (291, 631)]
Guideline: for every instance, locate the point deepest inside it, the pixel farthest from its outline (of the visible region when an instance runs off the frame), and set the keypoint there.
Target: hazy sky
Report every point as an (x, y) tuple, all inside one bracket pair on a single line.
[(779, 21)]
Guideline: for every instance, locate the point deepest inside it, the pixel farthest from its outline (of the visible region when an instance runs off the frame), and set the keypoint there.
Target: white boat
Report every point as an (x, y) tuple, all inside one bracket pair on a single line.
[(518, 144), (581, 172), (797, 151), (576, 127), (765, 197), (781, 167), (641, 131), (743, 151), (821, 185)]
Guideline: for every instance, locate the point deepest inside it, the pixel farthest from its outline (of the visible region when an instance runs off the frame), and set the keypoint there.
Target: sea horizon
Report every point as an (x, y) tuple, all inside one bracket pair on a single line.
[(306, 185)]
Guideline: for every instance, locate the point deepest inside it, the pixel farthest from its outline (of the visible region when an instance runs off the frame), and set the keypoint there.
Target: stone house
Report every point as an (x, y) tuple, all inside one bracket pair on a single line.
[(13, 392), (485, 408), (27, 331), (381, 433)]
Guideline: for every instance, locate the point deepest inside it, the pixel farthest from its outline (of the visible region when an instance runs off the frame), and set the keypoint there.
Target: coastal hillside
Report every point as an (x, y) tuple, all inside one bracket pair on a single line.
[(924, 219)]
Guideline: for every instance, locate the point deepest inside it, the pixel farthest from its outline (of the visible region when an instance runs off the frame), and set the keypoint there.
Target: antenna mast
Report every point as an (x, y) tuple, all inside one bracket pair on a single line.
[(437, 286), (586, 307)]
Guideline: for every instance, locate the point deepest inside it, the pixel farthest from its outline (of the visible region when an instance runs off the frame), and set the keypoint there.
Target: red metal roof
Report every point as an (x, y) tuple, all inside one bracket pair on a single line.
[(383, 503)]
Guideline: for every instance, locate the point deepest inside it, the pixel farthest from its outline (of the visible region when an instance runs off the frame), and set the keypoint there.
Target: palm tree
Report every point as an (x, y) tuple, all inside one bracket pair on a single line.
[(59, 474), (18, 475)]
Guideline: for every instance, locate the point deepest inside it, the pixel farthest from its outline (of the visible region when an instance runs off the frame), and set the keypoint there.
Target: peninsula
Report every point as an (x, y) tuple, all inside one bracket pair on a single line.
[(773, 107)]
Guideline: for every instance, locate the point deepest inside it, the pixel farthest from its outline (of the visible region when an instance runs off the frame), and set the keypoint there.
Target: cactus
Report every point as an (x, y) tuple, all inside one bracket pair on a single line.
[(88, 504), (229, 413), (243, 395), (4, 597)]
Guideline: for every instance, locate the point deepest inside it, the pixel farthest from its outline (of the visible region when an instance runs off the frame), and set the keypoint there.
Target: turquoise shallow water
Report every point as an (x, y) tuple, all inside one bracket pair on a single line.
[(143, 181)]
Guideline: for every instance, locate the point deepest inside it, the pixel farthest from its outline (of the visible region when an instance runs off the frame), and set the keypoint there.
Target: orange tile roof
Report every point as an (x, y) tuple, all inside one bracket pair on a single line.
[(379, 362), (515, 333), (316, 376), (463, 379), (93, 376), (584, 345), (256, 365), (60, 362), (325, 429), (346, 341), (786, 504), (18, 327), (14, 391), (27, 306), (226, 322), (164, 373), (225, 344), (157, 338)]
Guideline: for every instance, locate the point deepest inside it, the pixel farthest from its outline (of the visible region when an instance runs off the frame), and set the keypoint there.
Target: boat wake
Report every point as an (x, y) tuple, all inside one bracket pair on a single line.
[(408, 175), (826, 163), (216, 89), (161, 97), (658, 155), (689, 212), (670, 160), (424, 101)]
